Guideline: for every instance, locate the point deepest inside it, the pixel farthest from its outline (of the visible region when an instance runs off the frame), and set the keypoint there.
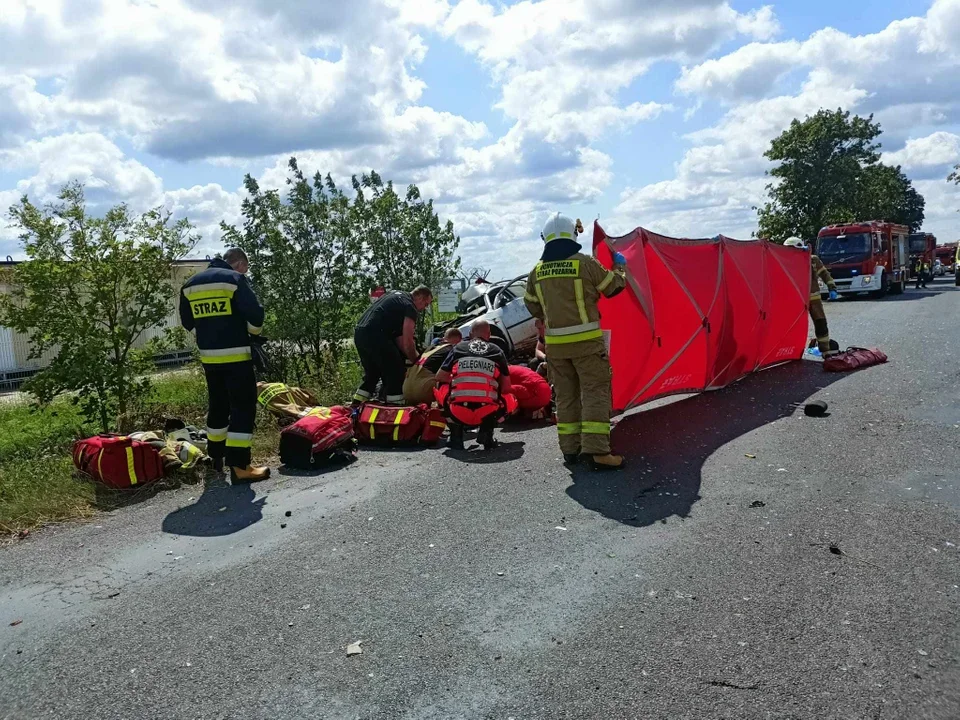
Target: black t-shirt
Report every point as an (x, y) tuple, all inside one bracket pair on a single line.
[(387, 314), (477, 349), (435, 361)]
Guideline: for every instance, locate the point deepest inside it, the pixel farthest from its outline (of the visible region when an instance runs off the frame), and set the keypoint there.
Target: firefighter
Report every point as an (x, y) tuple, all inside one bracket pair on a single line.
[(220, 306), (818, 272), (385, 341), (474, 387), (923, 269), (563, 291), (422, 378)]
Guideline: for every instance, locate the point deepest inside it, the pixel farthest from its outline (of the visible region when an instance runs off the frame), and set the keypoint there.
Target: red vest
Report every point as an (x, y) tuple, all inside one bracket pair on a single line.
[(474, 391)]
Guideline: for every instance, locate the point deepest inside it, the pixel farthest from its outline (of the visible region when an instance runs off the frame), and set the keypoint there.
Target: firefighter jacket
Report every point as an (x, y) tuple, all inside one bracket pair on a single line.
[(286, 402), (220, 305), (818, 271), (564, 294)]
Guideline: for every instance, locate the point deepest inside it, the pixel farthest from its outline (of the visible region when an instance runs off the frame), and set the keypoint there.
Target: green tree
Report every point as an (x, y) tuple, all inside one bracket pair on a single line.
[(90, 289), (828, 171), (308, 269), (885, 193), (406, 243)]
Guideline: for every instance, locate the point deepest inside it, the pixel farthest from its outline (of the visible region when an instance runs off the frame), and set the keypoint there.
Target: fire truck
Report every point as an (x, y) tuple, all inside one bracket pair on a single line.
[(871, 257)]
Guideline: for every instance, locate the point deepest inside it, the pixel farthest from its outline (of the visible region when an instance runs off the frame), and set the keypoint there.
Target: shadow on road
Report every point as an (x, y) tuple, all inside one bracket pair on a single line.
[(667, 447), (504, 452), (910, 294), (222, 509)]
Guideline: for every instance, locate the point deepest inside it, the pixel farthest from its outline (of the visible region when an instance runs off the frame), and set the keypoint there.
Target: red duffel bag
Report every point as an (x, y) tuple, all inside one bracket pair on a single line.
[(324, 435), (433, 430), (854, 358), (390, 425), (118, 461)]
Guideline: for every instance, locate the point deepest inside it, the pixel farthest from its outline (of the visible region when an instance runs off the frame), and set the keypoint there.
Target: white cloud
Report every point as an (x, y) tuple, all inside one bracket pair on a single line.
[(936, 152)]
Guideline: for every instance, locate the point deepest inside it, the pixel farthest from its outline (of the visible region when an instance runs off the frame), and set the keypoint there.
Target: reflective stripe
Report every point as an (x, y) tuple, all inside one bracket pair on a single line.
[(207, 290), (484, 394), (606, 281), (543, 305), (568, 428), (434, 423), (572, 329), (824, 339), (271, 391), (131, 467), (815, 296), (595, 428), (216, 435), (362, 394), (373, 419), (396, 422), (254, 329), (239, 440), (475, 375), (578, 289), (579, 337), (531, 298), (394, 399), (225, 355), (554, 236)]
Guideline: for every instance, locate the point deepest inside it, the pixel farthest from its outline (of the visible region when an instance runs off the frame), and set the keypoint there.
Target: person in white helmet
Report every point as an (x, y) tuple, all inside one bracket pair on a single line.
[(817, 272), (563, 291)]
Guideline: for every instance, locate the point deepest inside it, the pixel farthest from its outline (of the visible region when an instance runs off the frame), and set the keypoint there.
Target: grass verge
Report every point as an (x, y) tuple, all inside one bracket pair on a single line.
[(38, 484)]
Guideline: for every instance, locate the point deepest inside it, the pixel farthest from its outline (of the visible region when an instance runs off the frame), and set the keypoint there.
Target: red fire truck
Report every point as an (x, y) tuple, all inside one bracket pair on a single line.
[(923, 251), (870, 256)]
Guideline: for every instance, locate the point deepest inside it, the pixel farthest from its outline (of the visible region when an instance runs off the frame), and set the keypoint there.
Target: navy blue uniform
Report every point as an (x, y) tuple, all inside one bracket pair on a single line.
[(376, 341), (219, 304)]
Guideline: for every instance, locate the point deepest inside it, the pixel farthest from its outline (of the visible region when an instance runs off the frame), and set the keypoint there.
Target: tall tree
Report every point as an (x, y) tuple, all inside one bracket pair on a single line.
[(885, 193), (90, 289), (307, 263), (821, 160), (829, 172), (406, 242)]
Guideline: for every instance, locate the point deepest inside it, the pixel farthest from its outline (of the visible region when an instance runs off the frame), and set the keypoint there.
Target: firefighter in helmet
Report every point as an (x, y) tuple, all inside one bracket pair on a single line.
[(563, 291), (818, 272)]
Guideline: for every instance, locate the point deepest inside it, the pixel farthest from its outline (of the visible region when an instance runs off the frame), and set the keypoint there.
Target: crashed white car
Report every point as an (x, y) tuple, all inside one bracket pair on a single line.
[(512, 327)]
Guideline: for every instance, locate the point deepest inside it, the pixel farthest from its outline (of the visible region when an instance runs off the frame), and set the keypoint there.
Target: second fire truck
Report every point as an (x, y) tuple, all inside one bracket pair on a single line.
[(872, 257)]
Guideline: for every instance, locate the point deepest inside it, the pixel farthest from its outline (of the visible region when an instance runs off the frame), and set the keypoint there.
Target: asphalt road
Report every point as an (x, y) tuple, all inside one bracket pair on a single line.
[(700, 583)]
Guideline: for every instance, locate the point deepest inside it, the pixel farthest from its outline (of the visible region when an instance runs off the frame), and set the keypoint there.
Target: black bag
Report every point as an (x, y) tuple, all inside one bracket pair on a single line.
[(259, 356)]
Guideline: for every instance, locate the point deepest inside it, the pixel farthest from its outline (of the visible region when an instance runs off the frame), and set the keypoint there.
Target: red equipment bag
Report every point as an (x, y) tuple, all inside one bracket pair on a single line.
[(118, 461), (854, 358), (436, 424), (390, 424), (324, 435)]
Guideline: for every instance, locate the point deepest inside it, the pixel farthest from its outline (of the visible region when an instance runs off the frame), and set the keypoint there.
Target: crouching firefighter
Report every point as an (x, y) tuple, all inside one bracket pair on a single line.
[(219, 304), (563, 291), (818, 272), (474, 387)]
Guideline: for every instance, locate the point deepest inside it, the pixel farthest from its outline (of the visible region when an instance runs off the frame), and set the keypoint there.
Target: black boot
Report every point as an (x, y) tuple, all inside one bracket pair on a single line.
[(485, 438), (456, 437), (571, 458)]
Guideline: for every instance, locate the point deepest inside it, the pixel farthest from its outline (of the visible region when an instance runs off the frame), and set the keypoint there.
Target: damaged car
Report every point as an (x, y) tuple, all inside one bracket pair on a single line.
[(512, 328)]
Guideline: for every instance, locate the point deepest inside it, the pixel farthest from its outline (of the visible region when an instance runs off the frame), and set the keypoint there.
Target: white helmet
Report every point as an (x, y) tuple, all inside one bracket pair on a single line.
[(794, 242), (560, 226)]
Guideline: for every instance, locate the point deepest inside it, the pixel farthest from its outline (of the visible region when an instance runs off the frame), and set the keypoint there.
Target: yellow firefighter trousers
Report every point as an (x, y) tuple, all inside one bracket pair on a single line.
[(820, 328), (584, 400)]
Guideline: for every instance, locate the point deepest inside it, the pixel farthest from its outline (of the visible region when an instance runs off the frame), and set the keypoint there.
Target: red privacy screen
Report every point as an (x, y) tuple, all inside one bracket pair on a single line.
[(700, 314)]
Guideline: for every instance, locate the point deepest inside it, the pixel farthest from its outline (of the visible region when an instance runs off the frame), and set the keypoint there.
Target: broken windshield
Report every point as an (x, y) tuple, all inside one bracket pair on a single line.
[(845, 248)]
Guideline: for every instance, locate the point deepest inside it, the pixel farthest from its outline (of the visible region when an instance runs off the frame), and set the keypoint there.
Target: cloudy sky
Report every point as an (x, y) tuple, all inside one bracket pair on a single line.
[(643, 112)]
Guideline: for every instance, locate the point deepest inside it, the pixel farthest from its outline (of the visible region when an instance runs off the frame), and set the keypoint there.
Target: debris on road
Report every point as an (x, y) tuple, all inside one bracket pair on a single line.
[(283, 525), (923, 652), (752, 457), (305, 607), (781, 469), (288, 513), (15, 623), (354, 648), (23, 534), (817, 408), (500, 574), (559, 527), (758, 504)]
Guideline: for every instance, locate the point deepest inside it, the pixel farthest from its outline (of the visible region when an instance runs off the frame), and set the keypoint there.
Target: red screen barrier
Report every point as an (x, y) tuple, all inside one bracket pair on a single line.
[(700, 314)]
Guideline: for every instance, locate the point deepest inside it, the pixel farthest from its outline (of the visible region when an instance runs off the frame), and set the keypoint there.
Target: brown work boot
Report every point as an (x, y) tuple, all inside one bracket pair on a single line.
[(607, 462), (249, 474)]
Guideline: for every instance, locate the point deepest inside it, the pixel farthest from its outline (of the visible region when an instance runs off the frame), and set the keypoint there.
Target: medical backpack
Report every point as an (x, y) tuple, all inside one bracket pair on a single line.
[(391, 425), (118, 461), (325, 435)]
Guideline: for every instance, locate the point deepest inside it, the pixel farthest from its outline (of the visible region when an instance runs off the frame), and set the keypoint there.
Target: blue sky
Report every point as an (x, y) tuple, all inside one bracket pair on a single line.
[(643, 112)]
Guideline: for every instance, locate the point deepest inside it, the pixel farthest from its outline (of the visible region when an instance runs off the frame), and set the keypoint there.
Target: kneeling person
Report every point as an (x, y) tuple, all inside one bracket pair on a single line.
[(475, 388), (421, 379)]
